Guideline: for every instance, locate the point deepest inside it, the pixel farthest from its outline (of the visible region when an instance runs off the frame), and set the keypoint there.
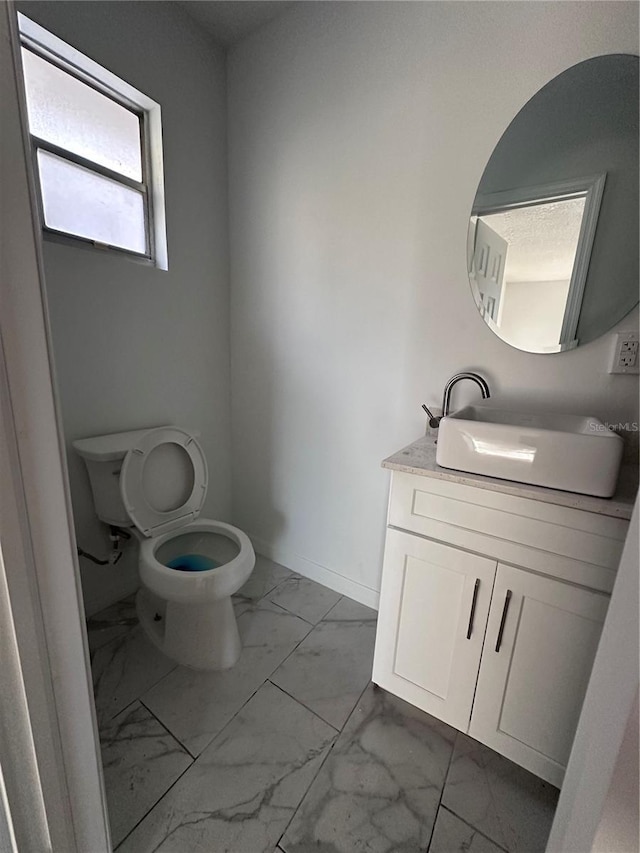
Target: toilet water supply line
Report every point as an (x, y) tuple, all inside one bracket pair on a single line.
[(115, 535)]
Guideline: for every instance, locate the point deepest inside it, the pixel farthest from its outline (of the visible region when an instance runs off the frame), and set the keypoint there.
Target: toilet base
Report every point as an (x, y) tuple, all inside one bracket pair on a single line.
[(201, 636)]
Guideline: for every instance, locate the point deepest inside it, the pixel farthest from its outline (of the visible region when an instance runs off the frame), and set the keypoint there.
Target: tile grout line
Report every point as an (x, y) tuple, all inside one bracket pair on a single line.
[(137, 698), (293, 613), (444, 785), (269, 591), (93, 649), (168, 730), (250, 600), (224, 727), (326, 758), (268, 679), (313, 627), (333, 607), (274, 671), (474, 828), (285, 610), (160, 798), (306, 707), (195, 758), (295, 648), (102, 724)]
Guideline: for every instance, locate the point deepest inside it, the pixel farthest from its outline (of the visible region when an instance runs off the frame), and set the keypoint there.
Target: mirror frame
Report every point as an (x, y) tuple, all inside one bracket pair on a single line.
[(591, 188)]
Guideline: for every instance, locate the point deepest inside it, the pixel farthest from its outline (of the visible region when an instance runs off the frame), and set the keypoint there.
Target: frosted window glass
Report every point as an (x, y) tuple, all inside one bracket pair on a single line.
[(69, 113), (81, 202)]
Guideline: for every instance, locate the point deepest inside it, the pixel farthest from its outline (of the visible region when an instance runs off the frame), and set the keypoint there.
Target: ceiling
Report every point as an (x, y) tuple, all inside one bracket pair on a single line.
[(229, 21), (542, 239)]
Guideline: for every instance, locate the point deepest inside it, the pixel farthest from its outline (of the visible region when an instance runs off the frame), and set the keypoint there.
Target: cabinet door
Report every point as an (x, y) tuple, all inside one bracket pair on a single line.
[(434, 604), (541, 640)]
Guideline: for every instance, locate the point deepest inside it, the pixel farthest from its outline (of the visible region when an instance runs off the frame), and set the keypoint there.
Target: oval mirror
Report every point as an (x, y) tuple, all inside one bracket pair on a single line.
[(552, 248)]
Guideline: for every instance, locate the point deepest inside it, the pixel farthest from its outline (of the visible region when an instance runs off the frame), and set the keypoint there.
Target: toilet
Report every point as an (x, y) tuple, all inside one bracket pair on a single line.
[(154, 481)]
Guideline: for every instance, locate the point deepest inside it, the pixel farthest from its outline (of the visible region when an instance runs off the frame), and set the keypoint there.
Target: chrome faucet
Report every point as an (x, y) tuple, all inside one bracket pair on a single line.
[(446, 400)]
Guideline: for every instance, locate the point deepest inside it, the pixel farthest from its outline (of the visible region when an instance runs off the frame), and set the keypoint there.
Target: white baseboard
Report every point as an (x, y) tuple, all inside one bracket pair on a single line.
[(308, 569)]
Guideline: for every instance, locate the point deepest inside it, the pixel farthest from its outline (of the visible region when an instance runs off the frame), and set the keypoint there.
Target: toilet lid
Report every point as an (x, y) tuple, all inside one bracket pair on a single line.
[(163, 481)]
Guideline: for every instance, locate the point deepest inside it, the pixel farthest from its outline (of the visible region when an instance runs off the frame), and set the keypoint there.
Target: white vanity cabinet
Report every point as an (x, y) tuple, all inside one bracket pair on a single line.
[(491, 608), (542, 636), (434, 605)]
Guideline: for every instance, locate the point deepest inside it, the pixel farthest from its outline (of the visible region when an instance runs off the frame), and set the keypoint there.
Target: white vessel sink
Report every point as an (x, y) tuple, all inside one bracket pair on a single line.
[(569, 452)]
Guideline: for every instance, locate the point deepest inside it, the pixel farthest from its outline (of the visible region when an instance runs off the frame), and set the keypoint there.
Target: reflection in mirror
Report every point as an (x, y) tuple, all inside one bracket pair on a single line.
[(553, 255), (531, 250)]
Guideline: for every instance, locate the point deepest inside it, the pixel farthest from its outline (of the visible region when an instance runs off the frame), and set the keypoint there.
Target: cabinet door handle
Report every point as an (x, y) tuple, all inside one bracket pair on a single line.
[(473, 608), (505, 610)]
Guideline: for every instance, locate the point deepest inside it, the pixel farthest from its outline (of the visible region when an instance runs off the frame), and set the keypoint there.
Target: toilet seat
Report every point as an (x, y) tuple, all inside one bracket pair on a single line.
[(136, 492)]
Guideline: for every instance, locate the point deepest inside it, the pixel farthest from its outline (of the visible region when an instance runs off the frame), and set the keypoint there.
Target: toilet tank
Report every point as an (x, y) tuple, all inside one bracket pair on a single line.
[(103, 456)]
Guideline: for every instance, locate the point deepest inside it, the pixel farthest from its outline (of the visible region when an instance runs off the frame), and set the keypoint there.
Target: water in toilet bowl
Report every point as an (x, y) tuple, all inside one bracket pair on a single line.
[(199, 545), (192, 563)]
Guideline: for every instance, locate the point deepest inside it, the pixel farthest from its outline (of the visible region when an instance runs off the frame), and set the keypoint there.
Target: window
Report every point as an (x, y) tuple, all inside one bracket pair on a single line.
[(97, 149)]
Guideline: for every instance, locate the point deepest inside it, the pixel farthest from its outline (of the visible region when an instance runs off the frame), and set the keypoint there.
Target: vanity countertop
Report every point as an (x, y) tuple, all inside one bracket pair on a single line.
[(420, 458)]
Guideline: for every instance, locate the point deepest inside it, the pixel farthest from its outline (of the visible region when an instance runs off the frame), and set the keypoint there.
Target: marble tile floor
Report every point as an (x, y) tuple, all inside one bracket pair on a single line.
[(293, 750)]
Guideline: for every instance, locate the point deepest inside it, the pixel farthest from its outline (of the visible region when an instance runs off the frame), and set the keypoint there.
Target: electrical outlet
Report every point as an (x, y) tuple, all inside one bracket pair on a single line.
[(626, 353)]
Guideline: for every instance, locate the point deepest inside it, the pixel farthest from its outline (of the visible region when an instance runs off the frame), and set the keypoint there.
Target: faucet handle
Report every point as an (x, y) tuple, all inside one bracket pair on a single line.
[(434, 422)]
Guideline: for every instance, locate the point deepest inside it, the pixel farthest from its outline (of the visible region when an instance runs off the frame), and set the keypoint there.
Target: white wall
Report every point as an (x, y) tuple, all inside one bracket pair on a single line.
[(136, 346), (598, 805), (619, 828), (358, 133)]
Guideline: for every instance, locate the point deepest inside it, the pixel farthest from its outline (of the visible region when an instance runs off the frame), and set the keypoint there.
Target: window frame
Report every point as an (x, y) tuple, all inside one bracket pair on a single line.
[(58, 53), (40, 144)]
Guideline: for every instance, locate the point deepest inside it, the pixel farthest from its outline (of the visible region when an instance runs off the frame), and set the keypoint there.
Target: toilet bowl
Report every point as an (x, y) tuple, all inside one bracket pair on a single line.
[(199, 626), (189, 566)]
